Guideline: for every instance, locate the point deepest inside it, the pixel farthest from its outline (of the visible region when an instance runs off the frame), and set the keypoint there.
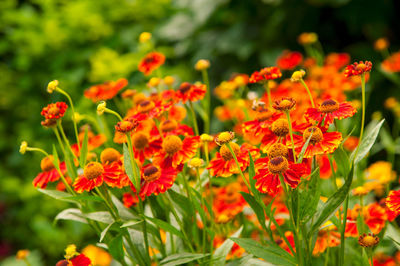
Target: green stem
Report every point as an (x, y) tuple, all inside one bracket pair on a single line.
[(66, 140), (194, 120), (37, 149), (59, 139), (110, 208), (73, 114), (266, 86), (208, 100), (291, 134), (133, 162), (238, 165), (114, 113), (202, 206), (343, 229), (178, 219), (146, 240), (309, 92), (363, 113)]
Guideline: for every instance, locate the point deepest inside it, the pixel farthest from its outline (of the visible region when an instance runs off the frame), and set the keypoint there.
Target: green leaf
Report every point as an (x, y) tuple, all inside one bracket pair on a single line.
[(123, 212), (84, 149), (257, 208), (367, 142), (128, 166), (309, 198), (131, 223), (181, 258), (342, 161), (104, 232), (222, 251), (252, 173), (332, 204), (115, 247), (59, 195), (165, 226), (182, 203), (71, 214), (103, 217), (270, 253), (78, 198), (69, 161), (303, 150)]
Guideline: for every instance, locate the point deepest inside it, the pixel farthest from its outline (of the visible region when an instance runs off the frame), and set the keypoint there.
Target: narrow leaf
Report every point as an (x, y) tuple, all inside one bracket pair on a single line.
[(165, 226), (128, 166), (222, 251), (84, 149)]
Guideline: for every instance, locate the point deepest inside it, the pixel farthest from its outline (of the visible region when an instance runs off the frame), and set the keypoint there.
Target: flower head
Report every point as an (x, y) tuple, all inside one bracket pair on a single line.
[(52, 86), (329, 110), (49, 172), (202, 64), (105, 91), (54, 111), (126, 126), (381, 44), (190, 92), (267, 73), (144, 37), (196, 163), (368, 240), (101, 107), (297, 75), (357, 69), (289, 60), (307, 38), (224, 137), (284, 104), (268, 171), (94, 174), (156, 179), (151, 62), (22, 254), (23, 147)]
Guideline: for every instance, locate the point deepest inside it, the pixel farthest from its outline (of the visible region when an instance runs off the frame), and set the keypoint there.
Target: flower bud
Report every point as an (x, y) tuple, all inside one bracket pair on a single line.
[(101, 107)]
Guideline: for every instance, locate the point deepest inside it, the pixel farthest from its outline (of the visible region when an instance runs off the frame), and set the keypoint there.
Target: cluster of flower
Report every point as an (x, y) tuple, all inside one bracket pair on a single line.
[(279, 139)]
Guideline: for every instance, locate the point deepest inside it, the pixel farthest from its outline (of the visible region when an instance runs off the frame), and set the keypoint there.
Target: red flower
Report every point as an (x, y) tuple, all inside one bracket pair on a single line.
[(260, 125), (105, 91), (94, 141), (54, 110), (145, 145), (338, 60), (151, 62), (49, 172), (392, 63), (156, 179), (81, 260), (267, 73), (393, 200), (357, 68), (330, 110), (268, 171), (224, 164), (228, 200), (94, 174), (175, 152), (321, 142), (289, 60), (191, 92), (129, 200)]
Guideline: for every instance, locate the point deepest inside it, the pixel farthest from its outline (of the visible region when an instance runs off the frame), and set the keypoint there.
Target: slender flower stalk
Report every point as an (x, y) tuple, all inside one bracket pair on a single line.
[(58, 89), (309, 92), (59, 125), (207, 103), (194, 120), (363, 113), (267, 88), (287, 112), (238, 166)]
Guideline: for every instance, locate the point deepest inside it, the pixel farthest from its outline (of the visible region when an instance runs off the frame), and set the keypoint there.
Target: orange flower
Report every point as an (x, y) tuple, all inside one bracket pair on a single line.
[(392, 63), (49, 172), (351, 143), (129, 200), (156, 179), (228, 200), (126, 125), (374, 216), (145, 145), (54, 110), (356, 69), (191, 92), (151, 62), (268, 171), (148, 109), (175, 151), (105, 91), (393, 200), (381, 259), (260, 125), (338, 60), (224, 164), (94, 174), (329, 110), (267, 73), (289, 60), (321, 142), (326, 238)]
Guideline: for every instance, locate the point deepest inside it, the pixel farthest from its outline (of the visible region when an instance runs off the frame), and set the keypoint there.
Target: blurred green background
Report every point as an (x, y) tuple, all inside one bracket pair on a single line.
[(83, 42)]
